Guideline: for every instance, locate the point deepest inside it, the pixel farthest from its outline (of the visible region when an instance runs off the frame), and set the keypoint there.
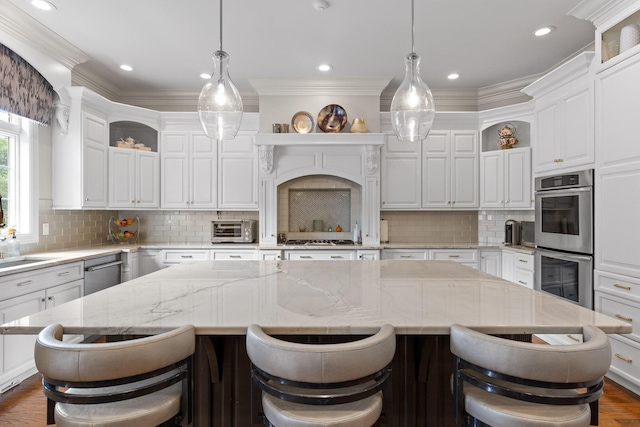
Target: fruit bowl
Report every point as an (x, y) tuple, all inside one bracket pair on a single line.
[(124, 230)]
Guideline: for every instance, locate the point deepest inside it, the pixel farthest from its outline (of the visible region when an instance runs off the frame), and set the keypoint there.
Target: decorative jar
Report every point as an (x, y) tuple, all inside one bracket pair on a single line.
[(507, 137)]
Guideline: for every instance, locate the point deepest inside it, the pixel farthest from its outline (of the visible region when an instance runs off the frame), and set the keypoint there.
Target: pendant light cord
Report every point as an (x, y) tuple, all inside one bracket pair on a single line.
[(413, 28), (221, 24)]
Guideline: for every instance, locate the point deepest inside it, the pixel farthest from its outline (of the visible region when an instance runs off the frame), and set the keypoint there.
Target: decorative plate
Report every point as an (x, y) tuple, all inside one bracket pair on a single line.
[(332, 118), (302, 122)]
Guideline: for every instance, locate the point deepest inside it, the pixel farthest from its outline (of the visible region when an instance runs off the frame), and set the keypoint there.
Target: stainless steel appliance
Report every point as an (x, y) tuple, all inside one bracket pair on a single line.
[(234, 231), (564, 236), (527, 234), (511, 232), (320, 242), (102, 273), (564, 212), (566, 275)]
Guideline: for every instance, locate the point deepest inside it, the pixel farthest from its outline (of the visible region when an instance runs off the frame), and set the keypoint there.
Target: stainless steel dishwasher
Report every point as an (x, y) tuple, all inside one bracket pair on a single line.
[(101, 273)]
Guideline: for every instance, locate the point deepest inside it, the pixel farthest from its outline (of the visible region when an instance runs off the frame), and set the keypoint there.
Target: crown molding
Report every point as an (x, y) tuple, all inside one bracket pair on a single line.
[(599, 11), (566, 72), (305, 87), (27, 30)]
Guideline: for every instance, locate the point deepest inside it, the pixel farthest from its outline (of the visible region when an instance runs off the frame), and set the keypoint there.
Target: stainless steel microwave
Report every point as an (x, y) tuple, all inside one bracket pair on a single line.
[(234, 231)]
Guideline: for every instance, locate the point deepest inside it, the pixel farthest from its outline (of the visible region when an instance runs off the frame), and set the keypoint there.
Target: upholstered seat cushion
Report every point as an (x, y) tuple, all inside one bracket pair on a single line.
[(362, 413), (150, 410), (500, 411)]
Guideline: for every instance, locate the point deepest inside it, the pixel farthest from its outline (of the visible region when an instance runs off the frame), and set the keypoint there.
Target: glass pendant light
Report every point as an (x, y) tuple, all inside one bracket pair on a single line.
[(219, 103), (412, 108)]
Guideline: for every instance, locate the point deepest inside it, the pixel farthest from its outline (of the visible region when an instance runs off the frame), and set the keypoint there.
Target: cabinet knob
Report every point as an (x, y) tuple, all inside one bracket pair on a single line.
[(384, 202), (138, 201), (133, 201), (453, 203), (86, 200)]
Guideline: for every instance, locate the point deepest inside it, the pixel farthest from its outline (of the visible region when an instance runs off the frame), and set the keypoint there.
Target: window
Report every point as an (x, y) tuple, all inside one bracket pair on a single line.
[(18, 176)]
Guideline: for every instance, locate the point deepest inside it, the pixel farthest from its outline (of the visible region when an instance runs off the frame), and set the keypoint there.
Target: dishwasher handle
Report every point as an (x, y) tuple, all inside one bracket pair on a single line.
[(101, 266)]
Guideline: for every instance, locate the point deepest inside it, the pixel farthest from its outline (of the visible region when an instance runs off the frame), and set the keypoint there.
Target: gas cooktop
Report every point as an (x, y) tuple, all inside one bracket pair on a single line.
[(319, 242)]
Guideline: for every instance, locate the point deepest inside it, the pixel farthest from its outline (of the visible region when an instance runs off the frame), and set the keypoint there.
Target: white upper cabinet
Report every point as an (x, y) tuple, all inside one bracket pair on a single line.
[(563, 137), (94, 161), (189, 170), (450, 170), (505, 180), (80, 149), (134, 178), (238, 173), (401, 174), (79, 158)]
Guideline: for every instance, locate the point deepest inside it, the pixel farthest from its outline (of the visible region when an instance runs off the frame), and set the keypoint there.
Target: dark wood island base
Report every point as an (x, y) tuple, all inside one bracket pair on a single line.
[(418, 393)]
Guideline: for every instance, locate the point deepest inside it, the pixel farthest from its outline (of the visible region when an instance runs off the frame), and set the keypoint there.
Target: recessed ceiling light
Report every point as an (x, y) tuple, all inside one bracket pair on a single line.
[(325, 67), (544, 31), (205, 76), (126, 67), (453, 76), (43, 5)]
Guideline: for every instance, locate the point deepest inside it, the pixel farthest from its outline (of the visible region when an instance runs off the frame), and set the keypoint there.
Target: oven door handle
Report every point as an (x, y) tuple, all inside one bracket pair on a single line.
[(563, 255), (101, 266), (563, 192)]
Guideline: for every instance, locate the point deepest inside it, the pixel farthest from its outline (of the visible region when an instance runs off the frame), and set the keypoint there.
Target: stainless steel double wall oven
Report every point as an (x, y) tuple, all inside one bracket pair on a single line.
[(564, 236)]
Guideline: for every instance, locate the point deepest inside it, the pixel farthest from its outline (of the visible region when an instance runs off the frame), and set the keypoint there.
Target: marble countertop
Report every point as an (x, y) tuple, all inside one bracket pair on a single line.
[(317, 297)]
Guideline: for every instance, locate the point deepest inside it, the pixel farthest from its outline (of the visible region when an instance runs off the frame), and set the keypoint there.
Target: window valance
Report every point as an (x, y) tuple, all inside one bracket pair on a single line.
[(23, 90)]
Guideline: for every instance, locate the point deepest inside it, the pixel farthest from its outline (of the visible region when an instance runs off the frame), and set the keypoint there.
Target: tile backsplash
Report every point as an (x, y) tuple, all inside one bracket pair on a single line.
[(491, 224), (432, 226), (183, 227), (70, 229)]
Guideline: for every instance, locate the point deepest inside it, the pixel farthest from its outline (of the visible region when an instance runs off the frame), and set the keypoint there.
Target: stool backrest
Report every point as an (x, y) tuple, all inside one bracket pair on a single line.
[(58, 360), (321, 363), (553, 363)]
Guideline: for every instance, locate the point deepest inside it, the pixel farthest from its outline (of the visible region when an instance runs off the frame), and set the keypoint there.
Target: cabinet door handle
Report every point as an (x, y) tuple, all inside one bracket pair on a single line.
[(454, 256), (626, 288), (235, 256), (186, 256), (305, 256), (64, 273), (625, 359), (523, 260), (521, 282), (336, 256), (50, 298), (25, 283), (621, 317), (573, 338), (405, 256)]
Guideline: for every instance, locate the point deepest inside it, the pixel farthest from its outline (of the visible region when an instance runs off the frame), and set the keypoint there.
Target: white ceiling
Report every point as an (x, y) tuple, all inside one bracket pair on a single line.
[(170, 42)]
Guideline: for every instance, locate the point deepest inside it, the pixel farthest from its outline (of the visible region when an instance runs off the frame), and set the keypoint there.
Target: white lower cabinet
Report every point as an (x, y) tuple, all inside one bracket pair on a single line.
[(169, 257), (491, 261), (368, 254), (405, 254), (320, 255), (270, 254), (234, 255), (518, 267), (618, 296), (468, 257), (148, 261), (24, 294)]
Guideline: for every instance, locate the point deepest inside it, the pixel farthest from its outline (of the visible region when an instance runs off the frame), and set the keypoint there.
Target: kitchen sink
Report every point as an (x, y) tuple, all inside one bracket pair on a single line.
[(15, 262)]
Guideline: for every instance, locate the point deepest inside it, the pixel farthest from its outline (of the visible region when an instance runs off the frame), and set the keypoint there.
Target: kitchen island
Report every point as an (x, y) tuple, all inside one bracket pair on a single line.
[(320, 301)]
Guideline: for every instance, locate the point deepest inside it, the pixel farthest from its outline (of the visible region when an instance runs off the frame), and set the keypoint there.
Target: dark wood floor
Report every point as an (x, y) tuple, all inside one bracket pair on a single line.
[(25, 405)]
